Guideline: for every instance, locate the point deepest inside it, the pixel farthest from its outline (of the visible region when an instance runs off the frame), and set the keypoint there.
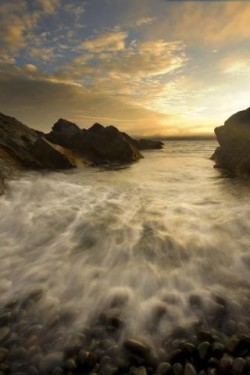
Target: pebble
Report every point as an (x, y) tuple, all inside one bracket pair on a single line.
[(87, 359), (137, 347), (225, 364), (50, 361), (164, 368), (177, 369), (4, 334), (108, 370), (218, 349), (232, 344), (239, 365), (3, 354), (139, 371), (189, 369), (203, 350)]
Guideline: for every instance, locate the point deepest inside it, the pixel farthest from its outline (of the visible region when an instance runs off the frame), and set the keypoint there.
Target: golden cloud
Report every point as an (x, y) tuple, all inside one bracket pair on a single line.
[(111, 41)]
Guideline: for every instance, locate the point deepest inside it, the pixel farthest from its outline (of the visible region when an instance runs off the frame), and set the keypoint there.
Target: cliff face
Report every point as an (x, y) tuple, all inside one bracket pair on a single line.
[(233, 154)]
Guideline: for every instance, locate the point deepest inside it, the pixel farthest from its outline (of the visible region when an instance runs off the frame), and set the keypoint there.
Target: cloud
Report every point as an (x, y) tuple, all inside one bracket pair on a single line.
[(145, 21), (16, 23), (46, 100), (205, 22), (111, 41), (48, 6)]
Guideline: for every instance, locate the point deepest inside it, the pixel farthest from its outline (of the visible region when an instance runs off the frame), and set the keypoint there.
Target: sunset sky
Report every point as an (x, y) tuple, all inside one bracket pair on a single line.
[(150, 67)]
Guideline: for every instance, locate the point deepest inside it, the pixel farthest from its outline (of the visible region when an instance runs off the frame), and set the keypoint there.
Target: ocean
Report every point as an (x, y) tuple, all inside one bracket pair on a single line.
[(159, 244)]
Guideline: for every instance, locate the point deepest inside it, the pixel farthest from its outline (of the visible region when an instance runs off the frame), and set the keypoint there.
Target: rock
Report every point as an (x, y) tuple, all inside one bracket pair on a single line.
[(189, 369), (232, 344), (49, 157), (50, 361), (4, 334), (225, 364), (3, 354), (18, 354), (139, 371), (137, 347), (86, 359), (164, 368), (177, 369), (1, 183), (234, 139), (217, 349), (239, 366), (98, 145), (108, 370), (203, 350), (21, 146)]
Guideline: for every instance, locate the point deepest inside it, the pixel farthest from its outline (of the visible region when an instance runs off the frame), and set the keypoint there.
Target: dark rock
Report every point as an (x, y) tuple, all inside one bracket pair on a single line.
[(50, 361), (225, 364), (178, 369), (239, 366), (144, 144), (21, 146), (86, 359), (97, 145), (137, 347), (139, 371), (203, 350), (3, 354), (217, 349), (164, 368), (4, 334), (189, 369), (234, 139)]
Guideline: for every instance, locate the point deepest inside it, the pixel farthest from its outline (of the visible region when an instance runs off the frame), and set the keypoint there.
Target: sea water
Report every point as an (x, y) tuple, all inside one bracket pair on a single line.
[(155, 238)]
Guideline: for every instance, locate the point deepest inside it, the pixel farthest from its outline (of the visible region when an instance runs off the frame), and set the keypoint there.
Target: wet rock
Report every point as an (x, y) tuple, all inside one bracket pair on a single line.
[(203, 350), (18, 354), (234, 139), (3, 354), (98, 144), (177, 369), (50, 361), (217, 349), (32, 370), (108, 369), (139, 371), (25, 147), (86, 359), (225, 364), (4, 334), (5, 318), (164, 368), (239, 366), (229, 327), (189, 369), (204, 335), (57, 371), (232, 344), (71, 364), (137, 347)]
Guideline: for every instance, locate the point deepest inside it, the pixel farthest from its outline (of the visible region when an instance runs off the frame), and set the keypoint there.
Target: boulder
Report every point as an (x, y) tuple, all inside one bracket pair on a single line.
[(98, 144), (21, 146), (233, 154)]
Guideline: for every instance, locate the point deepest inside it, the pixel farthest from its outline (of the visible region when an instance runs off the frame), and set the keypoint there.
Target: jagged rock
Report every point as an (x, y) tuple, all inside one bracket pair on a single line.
[(99, 144), (21, 146), (234, 139)]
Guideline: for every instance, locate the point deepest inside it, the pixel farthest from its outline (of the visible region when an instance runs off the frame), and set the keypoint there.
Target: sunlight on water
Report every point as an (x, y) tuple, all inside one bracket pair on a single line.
[(153, 240)]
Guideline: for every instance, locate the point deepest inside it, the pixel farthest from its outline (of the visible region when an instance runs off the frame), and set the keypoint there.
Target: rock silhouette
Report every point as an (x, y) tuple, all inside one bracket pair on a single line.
[(233, 154)]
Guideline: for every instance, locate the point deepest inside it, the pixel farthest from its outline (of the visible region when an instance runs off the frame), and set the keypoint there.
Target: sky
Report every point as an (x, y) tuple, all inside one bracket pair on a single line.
[(149, 67)]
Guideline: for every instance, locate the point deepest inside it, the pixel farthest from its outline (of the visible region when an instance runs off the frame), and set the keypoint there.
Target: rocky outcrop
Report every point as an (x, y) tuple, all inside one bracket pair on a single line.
[(233, 154), (98, 144), (21, 146), (144, 144)]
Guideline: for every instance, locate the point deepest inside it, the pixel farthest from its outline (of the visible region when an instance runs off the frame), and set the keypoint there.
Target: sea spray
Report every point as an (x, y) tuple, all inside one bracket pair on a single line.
[(149, 251)]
